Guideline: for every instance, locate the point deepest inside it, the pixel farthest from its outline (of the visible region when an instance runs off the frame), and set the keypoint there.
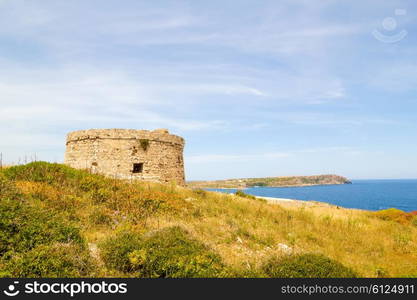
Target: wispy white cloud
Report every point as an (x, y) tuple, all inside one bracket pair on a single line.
[(207, 88), (137, 23), (230, 158), (86, 96), (334, 149), (268, 156), (326, 120), (275, 71), (324, 31)]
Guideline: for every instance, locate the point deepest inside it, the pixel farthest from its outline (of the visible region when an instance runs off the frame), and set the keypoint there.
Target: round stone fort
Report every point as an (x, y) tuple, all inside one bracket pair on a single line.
[(153, 155)]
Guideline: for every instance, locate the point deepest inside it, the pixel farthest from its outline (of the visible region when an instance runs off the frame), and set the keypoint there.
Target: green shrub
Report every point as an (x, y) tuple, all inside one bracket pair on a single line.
[(56, 175), (92, 183), (240, 193), (23, 227), (171, 252), (381, 273), (57, 260), (7, 188), (200, 192), (414, 221), (115, 250), (168, 252), (393, 214), (101, 195), (41, 172), (306, 266), (144, 143), (258, 183)]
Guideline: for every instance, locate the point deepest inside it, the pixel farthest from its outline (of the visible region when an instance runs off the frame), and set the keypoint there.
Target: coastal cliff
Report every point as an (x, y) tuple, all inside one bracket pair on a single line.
[(286, 181)]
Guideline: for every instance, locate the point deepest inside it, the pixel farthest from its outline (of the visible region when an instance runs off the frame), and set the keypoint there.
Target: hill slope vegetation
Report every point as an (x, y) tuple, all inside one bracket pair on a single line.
[(56, 221)]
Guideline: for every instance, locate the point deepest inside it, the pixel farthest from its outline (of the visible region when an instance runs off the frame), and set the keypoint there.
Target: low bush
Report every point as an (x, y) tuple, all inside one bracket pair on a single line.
[(41, 172), (8, 189), (257, 183), (395, 215), (23, 227), (39, 190), (244, 195), (200, 192), (56, 175), (115, 250), (92, 183), (144, 144), (240, 193), (414, 221), (306, 266), (49, 196), (101, 195), (169, 252), (56, 260)]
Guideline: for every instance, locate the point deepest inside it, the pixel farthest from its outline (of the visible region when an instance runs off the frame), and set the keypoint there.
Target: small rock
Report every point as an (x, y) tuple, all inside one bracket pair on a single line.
[(94, 250), (285, 248)]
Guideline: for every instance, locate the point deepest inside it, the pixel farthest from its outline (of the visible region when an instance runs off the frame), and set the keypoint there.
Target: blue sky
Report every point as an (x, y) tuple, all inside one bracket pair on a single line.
[(257, 88)]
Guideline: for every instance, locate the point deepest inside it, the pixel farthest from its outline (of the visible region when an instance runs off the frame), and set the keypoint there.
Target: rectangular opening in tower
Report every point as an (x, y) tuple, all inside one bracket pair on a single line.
[(137, 168)]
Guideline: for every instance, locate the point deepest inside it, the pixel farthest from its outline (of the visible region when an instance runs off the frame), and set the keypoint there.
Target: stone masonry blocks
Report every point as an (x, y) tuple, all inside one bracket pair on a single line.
[(128, 154)]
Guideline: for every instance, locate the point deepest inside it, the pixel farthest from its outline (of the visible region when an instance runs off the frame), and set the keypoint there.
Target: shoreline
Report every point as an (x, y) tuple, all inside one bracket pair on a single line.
[(311, 203), (297, 203), (290, 202), (275, 186), (294, 202)]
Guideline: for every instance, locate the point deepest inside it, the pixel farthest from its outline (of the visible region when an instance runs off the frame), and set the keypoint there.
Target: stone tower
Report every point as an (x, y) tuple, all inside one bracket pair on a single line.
[(128, 154)]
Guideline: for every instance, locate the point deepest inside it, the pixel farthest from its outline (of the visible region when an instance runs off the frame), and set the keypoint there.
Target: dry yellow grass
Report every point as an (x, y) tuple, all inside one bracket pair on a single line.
[(245, 232)]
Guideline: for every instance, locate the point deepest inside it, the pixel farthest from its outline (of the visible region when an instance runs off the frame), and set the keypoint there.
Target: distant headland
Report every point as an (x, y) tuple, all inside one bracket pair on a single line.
[(284, 181)]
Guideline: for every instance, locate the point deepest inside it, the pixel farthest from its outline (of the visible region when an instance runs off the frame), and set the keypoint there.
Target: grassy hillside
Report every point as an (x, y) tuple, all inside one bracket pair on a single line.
[(270, 181), (59, 222)]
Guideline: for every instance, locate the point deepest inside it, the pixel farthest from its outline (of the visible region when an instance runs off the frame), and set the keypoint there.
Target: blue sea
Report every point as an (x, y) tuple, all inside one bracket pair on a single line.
[(362, 194)]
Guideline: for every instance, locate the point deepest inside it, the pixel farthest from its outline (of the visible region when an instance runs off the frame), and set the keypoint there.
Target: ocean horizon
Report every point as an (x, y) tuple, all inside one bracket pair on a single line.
[(367, 194)]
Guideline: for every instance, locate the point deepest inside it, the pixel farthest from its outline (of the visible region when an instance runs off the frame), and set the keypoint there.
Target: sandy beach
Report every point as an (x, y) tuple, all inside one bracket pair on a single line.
[(294, 202), (271, 199)]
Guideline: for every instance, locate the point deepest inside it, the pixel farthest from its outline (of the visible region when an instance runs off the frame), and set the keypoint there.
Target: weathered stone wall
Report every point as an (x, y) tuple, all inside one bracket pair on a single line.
[(113, 152)]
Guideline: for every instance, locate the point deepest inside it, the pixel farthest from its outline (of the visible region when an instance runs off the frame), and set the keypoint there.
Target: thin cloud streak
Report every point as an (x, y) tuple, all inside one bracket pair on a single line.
[(231, 158), (299, 76), (209, 158)]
